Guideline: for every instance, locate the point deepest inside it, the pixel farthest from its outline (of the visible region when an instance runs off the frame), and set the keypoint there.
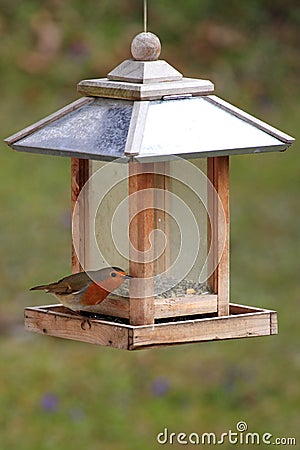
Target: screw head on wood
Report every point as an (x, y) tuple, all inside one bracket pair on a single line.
[(145, 47)]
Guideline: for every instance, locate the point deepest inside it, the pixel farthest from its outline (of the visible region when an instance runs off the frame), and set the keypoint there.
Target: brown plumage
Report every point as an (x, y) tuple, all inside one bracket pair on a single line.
[(82, 290)]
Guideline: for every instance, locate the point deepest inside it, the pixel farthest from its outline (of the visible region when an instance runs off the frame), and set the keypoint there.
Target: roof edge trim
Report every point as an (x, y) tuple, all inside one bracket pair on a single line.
[(250, 119), (136, 128), (49, 119)]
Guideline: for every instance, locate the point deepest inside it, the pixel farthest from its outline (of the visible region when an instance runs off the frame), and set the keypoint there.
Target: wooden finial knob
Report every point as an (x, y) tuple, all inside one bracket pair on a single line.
[(145, 47)]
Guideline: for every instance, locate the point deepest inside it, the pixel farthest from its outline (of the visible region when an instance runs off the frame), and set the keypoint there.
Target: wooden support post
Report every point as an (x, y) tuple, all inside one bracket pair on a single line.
[(218, 174), (162, 218), (141, 308), (80, 172)]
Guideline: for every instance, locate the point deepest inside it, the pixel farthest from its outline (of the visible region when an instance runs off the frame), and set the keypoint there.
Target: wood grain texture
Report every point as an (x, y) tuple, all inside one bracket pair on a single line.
[(136, 128), (146, 72), (218, 174), (80, 173), (185, 306), (145, 47), (56, 320), (162, 218), (218, 328), (141, 178), (273, 322), (64, 324), (102, 87), (163, 307)]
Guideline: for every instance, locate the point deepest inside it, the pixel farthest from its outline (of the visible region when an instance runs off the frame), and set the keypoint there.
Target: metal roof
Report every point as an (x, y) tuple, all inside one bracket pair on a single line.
[(146, 110), (186, 126)]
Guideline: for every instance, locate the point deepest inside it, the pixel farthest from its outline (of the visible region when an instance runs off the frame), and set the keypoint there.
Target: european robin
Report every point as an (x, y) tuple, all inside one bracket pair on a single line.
[(83, 290)]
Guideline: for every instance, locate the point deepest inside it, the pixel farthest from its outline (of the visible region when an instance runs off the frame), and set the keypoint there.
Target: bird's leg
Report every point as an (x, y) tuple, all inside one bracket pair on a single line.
[(82, 325)]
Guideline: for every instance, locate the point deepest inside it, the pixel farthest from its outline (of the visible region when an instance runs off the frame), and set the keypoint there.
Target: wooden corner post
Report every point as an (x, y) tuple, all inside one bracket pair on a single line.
[(141, 224), (218, 174), (80, 173)]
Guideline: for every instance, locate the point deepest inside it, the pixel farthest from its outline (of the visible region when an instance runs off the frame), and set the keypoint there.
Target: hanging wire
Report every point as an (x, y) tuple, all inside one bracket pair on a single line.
[(145, 16)]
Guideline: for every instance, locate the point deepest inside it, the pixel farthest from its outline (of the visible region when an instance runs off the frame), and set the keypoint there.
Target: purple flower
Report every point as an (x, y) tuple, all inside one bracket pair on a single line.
[(160, 387), (49, 402)]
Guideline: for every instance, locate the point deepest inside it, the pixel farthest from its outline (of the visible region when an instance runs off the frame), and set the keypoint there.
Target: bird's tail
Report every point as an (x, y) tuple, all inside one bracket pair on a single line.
[(43, 287)]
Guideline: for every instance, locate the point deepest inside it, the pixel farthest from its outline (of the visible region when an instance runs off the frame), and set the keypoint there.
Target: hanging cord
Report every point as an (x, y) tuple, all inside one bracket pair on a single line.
[(145, 16)]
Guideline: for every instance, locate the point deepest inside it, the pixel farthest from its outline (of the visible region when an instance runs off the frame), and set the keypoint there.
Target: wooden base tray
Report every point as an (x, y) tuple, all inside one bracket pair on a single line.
[(243, 321), (163, 307)]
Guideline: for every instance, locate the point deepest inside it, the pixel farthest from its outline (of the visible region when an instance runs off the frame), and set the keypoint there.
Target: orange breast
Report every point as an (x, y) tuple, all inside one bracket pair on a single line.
[(94, 295)]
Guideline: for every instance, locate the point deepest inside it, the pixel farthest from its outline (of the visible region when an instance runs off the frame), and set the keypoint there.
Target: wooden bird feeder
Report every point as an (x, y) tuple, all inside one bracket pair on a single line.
[(150, 193)]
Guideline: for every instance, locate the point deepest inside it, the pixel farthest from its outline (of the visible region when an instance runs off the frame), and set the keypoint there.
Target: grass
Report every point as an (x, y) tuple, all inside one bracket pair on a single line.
[(64, 395)]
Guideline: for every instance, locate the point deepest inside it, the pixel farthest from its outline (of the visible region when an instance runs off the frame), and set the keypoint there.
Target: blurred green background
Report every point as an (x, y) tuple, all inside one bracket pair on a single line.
[(62, 395)]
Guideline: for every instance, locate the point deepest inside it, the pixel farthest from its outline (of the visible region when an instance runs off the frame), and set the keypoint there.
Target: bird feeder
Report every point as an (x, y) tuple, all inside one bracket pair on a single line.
[(150, 193)]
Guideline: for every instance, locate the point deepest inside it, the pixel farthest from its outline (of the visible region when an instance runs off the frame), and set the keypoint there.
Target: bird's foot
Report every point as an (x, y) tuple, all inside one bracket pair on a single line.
[(85, 323)]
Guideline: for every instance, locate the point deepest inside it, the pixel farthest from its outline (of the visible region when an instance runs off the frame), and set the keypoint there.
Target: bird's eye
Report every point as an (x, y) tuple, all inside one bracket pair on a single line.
[(113, 274)]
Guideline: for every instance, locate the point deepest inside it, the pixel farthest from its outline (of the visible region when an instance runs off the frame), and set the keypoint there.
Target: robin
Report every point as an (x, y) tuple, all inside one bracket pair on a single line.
[(83, 290)]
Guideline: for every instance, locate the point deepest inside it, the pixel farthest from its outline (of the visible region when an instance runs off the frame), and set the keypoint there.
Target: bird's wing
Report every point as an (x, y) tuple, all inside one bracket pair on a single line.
[(71, 284)]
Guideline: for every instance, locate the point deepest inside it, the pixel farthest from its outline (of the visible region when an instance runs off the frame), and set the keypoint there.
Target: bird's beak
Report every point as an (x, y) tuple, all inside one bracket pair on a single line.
[(127, 277)]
